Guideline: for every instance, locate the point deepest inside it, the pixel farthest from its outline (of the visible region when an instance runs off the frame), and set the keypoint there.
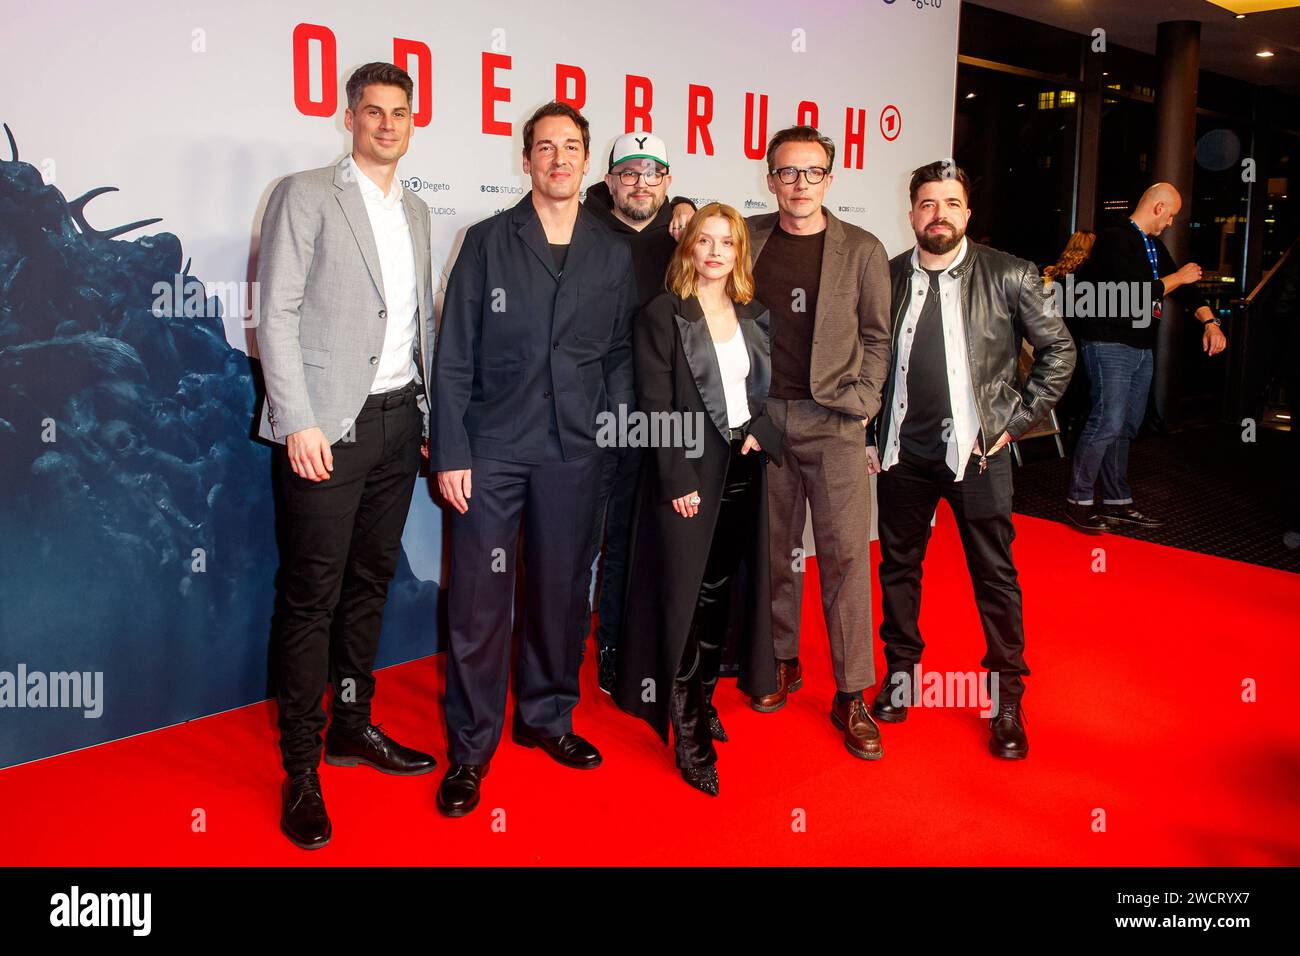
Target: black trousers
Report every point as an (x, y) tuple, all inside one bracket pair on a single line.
[(616, 503), (697, 674), (907, 495), (556, 501), (341, 540)]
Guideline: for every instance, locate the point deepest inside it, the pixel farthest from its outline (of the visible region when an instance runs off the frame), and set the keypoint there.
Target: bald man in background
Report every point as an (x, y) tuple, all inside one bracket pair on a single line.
[(1117, 349)]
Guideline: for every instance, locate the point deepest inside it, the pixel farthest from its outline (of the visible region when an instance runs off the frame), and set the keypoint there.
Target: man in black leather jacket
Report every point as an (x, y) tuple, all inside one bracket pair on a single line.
[(952, 403)]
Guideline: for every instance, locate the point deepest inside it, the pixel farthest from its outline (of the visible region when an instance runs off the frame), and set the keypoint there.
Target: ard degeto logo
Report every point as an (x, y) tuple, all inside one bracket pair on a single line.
[(417, 185)]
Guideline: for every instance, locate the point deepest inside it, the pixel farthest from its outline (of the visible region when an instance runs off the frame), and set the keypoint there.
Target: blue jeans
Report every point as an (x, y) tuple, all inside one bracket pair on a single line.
[(1119, 377)]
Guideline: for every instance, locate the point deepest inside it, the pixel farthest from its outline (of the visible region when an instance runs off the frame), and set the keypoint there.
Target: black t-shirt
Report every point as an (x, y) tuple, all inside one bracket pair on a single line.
[(929, 406), (559, 252), (788, 264)]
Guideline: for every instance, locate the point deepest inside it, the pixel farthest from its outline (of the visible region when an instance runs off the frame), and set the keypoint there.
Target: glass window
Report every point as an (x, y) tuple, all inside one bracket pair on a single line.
[(1015, 138), (1281, 223), (1128, 71), (1217, 215), (1216, 219), (1126, 144), (1223, 94)]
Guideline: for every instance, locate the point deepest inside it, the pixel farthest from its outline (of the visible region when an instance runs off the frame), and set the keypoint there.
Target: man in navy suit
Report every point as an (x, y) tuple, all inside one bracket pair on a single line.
[(535, 343)]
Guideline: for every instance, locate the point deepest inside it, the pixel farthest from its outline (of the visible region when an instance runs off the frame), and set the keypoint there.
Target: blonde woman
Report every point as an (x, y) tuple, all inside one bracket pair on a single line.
[(703, 361)]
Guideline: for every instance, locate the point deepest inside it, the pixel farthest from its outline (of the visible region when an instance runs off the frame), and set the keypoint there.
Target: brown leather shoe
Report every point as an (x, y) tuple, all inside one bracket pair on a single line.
[(861, 733), (789, 678)]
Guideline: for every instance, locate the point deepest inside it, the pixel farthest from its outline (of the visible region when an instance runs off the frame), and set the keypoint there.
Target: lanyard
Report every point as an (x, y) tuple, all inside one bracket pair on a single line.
[(1153, 258)]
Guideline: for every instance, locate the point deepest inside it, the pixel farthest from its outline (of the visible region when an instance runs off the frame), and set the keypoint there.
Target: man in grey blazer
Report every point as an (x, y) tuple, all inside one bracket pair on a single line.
[(344, 333)]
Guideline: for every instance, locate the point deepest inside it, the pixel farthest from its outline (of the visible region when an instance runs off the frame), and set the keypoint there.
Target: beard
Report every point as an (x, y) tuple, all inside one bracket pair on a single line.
[(938, 244), (640, 213)]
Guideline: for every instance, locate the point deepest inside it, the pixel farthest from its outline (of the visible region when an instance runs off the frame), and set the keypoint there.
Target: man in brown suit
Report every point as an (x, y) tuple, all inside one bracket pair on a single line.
[(826, 283)]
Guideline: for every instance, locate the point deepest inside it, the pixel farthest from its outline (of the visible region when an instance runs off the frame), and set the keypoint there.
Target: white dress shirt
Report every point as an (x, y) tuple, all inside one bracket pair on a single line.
[(733, 363), (392, 234), (961, 395)]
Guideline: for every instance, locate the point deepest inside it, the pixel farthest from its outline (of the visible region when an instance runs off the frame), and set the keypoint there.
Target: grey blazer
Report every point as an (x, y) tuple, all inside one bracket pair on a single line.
[(322, 317)]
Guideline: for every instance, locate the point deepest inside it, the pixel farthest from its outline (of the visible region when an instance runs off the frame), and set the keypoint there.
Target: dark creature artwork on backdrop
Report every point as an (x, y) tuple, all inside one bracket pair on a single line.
[(138, 525)]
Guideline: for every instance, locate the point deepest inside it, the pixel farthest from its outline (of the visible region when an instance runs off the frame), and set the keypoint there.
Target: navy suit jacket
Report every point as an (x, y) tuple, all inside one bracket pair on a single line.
[(517, 340)]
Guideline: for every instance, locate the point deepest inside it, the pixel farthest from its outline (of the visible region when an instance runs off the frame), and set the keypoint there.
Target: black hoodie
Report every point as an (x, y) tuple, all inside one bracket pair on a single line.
[(652, 247)]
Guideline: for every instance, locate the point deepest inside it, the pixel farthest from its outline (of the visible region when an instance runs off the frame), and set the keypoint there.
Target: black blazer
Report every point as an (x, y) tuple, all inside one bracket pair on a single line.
[(518, 339), (677, 371)]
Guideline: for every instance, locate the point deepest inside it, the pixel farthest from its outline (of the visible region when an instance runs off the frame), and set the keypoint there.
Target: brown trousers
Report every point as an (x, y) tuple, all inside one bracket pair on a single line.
[(825, 467)]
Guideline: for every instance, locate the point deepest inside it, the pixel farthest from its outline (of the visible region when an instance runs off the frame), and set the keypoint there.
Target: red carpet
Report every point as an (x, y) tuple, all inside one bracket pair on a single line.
[(1134, 708)]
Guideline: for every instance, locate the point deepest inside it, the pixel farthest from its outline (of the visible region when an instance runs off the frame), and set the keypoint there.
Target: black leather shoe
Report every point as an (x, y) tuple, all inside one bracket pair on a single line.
[(702, 778), (374, 748), (302, 814), (1086, 517), (1007, 732), (1129, 515), (568, 749), (606, 669), (458, 793), (884, 708)]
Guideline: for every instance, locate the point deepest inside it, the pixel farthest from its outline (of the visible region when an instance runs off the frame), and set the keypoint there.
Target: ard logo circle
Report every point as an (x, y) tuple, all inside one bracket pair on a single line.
[(891, 122)]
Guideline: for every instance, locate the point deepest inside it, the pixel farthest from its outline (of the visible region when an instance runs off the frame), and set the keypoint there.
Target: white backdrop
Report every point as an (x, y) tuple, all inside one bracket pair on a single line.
[(190, 108)]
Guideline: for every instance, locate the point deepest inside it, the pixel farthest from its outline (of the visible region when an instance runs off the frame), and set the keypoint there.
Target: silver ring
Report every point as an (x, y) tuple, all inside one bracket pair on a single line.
[(695, 500)]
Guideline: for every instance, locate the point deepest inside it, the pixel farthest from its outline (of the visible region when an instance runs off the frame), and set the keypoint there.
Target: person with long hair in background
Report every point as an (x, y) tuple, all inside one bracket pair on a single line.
[(1072, 409)]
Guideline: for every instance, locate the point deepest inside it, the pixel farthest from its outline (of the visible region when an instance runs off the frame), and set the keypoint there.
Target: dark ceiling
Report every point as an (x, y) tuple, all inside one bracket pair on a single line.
[(1228, 45)]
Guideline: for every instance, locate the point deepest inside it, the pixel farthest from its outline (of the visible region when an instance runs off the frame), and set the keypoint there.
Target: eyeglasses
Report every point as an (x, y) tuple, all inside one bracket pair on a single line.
[(629, 177), (790, 174)]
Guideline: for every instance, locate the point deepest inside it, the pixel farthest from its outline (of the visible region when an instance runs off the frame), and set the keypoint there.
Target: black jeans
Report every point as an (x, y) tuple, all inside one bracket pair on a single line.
[(907, 495), (697, 674), (341, 540)]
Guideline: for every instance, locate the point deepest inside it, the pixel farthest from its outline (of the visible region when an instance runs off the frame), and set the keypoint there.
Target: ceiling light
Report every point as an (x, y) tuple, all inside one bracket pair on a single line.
[(1264, 53), (1243, 7)]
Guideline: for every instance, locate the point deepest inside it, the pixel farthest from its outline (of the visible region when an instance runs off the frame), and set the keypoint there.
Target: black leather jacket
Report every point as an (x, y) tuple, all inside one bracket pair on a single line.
[(1003, 301)]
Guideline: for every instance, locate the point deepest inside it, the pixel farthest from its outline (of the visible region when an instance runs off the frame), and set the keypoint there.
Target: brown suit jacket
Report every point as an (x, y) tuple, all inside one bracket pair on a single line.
[(851, 352)]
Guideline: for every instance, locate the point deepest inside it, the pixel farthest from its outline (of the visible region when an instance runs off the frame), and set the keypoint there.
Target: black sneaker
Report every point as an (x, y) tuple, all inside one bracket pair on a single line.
[(606, 669), (1086, 517), (1130, 515)]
